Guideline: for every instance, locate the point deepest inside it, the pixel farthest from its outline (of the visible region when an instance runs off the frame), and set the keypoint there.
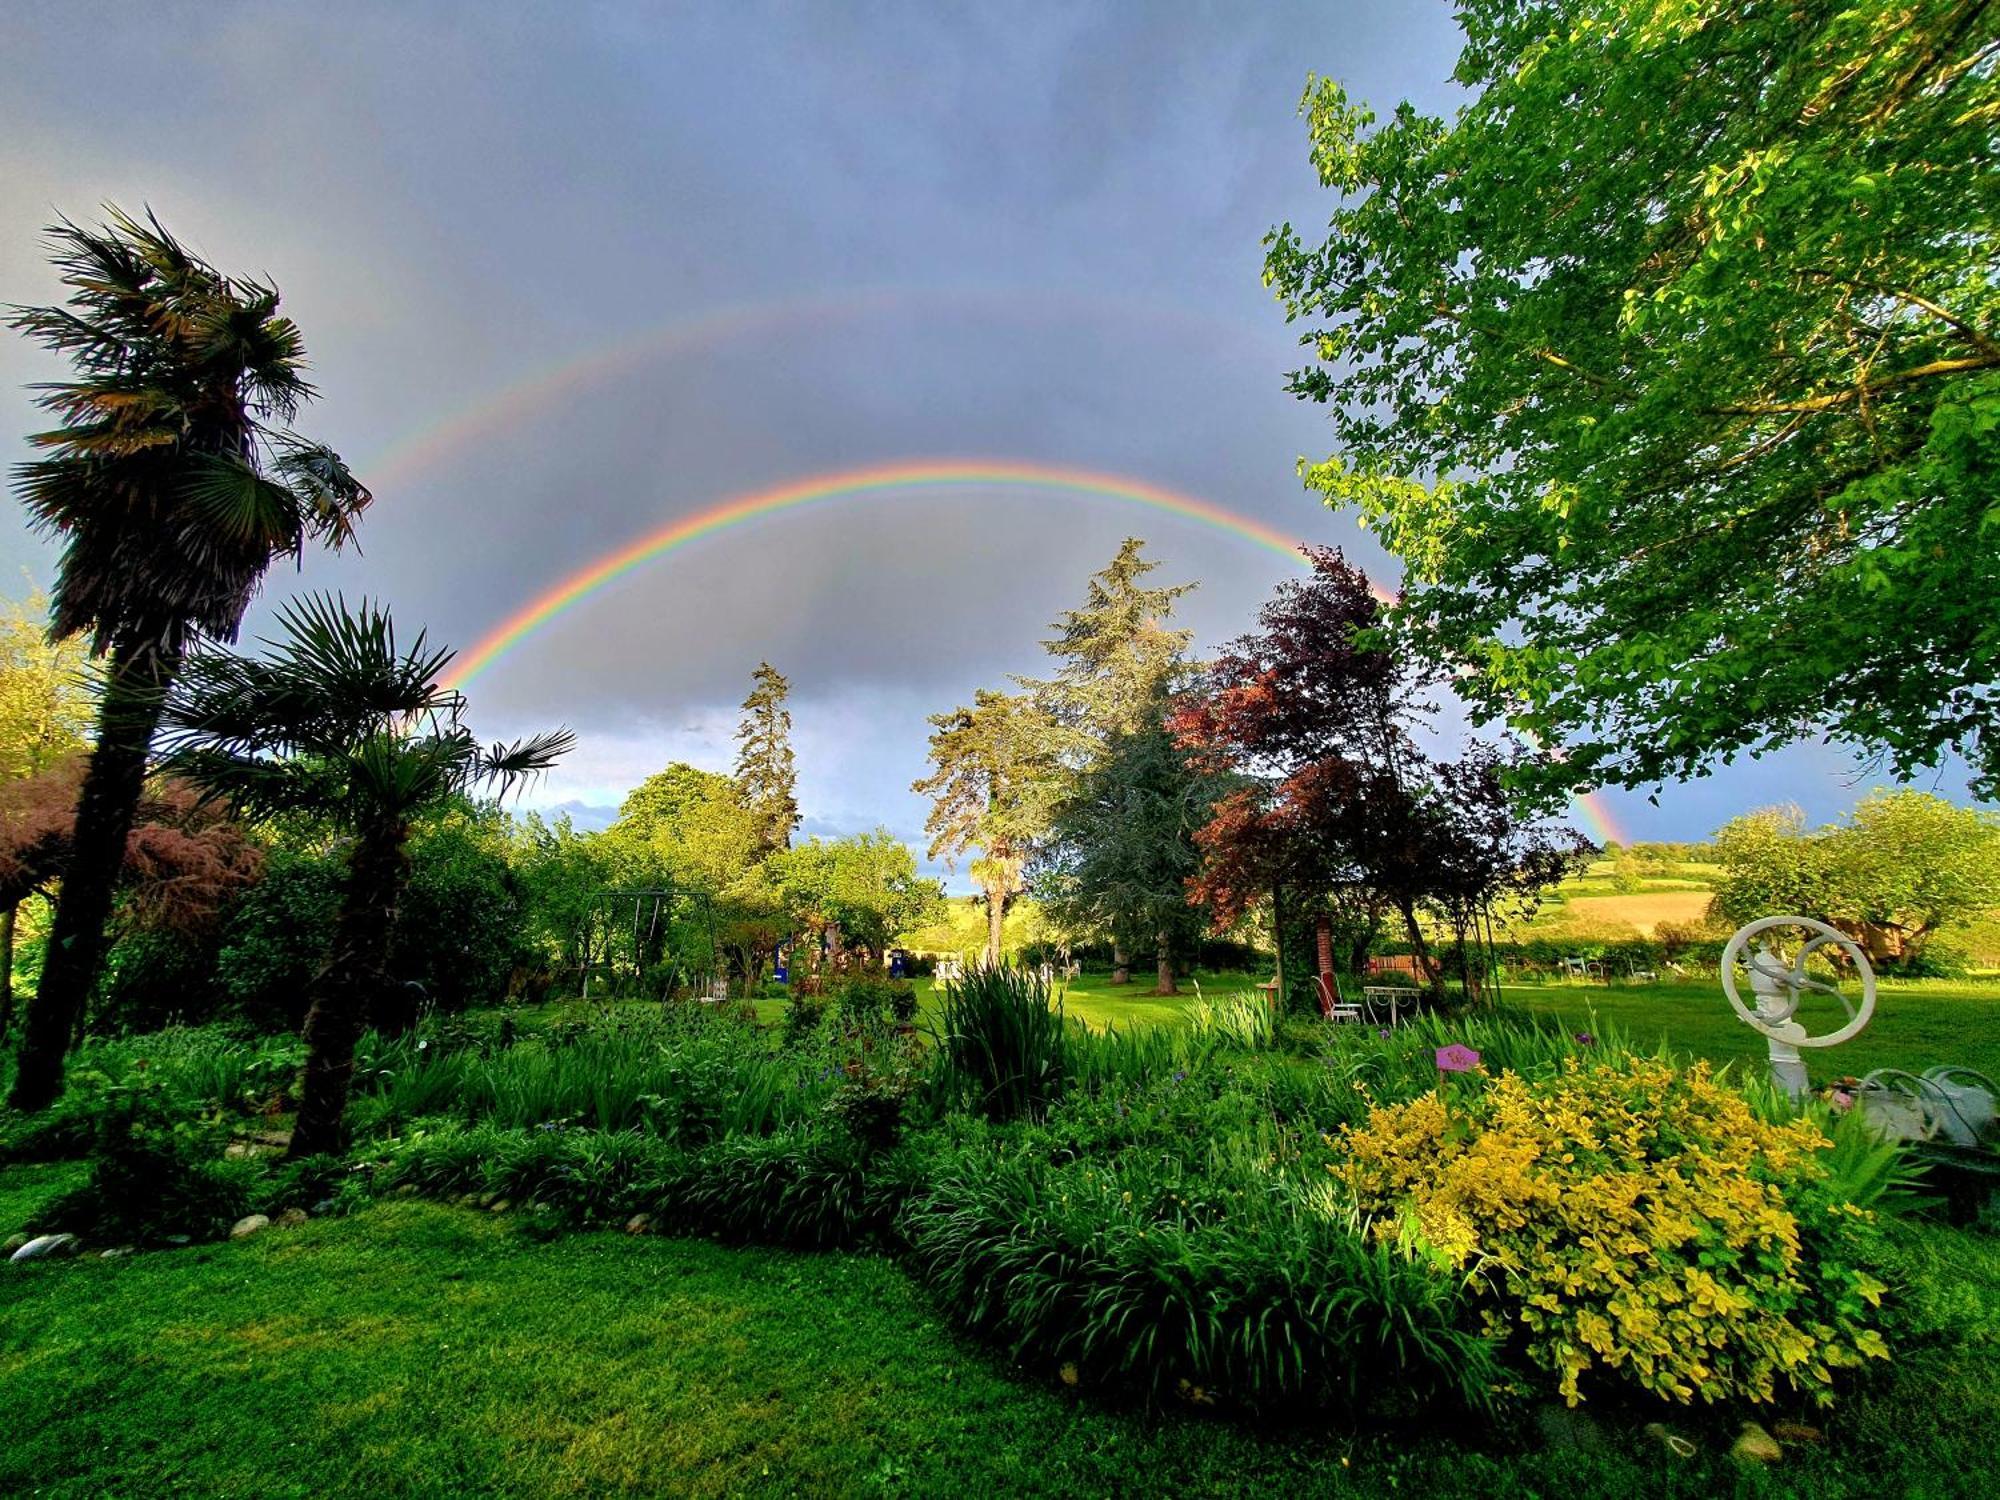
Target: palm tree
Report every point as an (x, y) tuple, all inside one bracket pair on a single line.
[(172, 482), (337, 723)]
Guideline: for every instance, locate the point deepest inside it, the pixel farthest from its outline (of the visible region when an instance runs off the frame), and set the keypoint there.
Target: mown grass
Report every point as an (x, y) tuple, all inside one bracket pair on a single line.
[(1916, 1026), (419, 1350)]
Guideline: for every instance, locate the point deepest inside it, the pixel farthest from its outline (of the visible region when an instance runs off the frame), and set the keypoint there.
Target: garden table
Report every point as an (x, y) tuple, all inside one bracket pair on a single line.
[(1389, 995)]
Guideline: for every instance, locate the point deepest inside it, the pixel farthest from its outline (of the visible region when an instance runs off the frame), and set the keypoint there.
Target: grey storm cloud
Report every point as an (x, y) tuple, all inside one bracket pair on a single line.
[(817, 237)]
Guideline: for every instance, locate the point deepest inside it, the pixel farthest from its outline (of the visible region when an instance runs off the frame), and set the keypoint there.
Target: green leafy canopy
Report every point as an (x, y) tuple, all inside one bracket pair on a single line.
[(1670, 367)]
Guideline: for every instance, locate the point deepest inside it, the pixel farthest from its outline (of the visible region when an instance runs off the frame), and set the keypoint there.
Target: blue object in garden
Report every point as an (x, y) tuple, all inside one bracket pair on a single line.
[(899, 964), (780, 969)]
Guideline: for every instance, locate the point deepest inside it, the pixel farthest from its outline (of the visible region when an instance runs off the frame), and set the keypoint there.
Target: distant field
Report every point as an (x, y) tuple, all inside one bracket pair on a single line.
[(1643, 911)]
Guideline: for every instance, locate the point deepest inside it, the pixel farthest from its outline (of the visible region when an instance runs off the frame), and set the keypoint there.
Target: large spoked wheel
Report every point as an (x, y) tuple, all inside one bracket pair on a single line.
[(1792, 976)]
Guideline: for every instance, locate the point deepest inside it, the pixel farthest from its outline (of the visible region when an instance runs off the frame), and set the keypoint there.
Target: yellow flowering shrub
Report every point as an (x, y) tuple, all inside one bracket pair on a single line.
[(1629, 1221)]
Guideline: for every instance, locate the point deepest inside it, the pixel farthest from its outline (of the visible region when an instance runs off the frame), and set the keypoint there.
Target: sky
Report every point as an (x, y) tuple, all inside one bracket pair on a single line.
[(571, 273)]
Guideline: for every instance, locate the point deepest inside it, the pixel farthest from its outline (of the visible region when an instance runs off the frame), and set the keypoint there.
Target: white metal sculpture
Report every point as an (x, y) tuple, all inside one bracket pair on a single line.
[(1778, 986)]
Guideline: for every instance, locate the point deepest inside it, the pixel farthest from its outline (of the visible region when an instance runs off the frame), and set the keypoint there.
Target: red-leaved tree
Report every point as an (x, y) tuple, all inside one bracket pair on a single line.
[(1340, 814), (184, 858)]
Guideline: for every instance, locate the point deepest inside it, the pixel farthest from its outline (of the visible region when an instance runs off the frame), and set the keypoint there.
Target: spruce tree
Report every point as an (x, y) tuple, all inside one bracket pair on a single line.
[(765, 777), (1119, 663)]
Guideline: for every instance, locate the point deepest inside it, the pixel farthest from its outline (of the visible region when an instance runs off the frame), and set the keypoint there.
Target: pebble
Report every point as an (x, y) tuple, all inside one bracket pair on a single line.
[(1796, 1432), (115, 1252), (248, 1225), (639, 1224), (47, 1246), (1756, 1446), (292, 1218), (499, 1206)]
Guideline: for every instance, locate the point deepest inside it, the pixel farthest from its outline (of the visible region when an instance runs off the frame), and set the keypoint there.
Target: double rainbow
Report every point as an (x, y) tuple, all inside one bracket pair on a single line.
[(889, 480)]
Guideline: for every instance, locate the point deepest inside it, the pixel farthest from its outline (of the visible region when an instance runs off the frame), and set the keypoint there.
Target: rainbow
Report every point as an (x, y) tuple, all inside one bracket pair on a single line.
[(890, 479), (518, 402)]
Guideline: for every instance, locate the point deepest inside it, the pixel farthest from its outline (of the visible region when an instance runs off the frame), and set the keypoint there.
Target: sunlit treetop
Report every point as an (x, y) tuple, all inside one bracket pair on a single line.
[(1670, 367)]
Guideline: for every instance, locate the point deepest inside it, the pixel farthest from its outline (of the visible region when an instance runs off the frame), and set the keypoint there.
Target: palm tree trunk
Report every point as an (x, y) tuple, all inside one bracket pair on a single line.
[(996, 917), (134, 686), (357, 971), (1164, 984)]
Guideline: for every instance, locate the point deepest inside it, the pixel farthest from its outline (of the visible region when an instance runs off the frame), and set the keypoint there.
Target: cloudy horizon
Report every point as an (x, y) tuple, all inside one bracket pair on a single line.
[(572, 275)]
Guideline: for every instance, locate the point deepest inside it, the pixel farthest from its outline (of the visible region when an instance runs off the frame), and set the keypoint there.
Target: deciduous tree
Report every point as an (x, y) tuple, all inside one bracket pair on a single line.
[(46, 701), (993, 771), (1670, 366)]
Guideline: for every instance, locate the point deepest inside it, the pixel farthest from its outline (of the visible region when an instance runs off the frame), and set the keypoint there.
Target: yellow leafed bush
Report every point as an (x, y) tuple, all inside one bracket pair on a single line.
[(1630, 1221)]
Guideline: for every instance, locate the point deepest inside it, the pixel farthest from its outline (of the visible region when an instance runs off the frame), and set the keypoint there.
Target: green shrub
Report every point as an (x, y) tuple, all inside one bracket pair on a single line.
[(154, 1175), (1629, 1224), (1157, 1277), (1003, 1043)]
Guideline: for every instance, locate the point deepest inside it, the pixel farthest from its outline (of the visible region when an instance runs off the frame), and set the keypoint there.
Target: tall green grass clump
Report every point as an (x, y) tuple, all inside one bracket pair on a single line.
[(1003, 1044), (1241, 1020), (1205, 1276)]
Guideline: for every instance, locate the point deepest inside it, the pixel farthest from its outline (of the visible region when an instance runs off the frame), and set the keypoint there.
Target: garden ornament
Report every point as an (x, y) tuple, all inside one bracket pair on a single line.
[(1778, 986)]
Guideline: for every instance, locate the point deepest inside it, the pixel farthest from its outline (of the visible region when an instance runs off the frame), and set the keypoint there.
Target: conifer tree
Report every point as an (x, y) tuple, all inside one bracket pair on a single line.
[(765, 777), (1118, 664)]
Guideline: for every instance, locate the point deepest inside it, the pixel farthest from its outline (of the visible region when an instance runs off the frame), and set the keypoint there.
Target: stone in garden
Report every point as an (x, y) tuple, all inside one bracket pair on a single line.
[(639, 1224), (47, 1246), (12, 1243), (115, 1252), (499, 1206), (1756, 1446), (324, 1206), (467, 1200), (248, 1225), (292, 1218), (1796, 1432)]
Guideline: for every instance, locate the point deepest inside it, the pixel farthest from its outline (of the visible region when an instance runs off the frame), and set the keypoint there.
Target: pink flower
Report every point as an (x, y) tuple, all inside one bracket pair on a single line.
[(1457, 1058), (1842, 1100)]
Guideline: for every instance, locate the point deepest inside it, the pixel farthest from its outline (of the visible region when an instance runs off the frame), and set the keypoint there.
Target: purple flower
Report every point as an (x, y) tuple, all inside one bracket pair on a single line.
[(1383, 1032), (1457, 1058), (1179, 1074), (1585, 1039)]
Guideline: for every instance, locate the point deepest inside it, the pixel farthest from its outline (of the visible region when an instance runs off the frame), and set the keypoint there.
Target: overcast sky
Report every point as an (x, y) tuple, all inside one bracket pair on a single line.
[(569, 272)]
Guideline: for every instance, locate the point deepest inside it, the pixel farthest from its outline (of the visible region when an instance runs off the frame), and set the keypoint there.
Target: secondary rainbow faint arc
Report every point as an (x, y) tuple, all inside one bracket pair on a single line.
[(889, 478)]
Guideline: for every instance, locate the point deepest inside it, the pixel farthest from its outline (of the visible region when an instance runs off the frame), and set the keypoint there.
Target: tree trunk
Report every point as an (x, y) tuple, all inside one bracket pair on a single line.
[(134, 684), (1426, 974), (6, 971), (996, 917), (1121, 966), (1277, 946), (1323, 942), (356, 972), (1165, 982)]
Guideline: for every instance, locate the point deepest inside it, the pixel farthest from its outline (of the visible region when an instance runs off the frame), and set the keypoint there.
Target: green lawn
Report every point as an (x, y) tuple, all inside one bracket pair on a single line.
[(420, 1350), (1916, 1026)]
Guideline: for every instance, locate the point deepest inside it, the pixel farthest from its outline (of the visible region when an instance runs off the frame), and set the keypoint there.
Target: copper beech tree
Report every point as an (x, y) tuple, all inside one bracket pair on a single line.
[(1338, 810)]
